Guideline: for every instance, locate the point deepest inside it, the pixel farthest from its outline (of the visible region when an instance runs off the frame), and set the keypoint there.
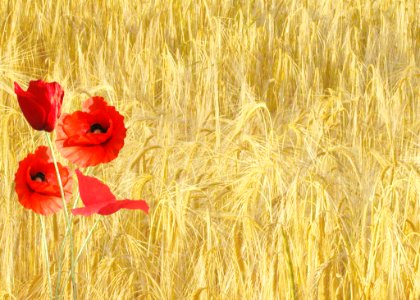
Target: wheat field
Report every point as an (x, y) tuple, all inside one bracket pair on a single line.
[(276, 142)]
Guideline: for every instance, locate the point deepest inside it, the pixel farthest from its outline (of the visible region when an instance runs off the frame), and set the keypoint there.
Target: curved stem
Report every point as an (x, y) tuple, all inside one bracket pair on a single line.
[(68, 229), (47, 260)]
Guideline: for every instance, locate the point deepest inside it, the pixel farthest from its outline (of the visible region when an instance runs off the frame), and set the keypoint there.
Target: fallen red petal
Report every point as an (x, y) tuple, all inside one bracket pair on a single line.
[(126, 204), (93, 191), (97, 198)]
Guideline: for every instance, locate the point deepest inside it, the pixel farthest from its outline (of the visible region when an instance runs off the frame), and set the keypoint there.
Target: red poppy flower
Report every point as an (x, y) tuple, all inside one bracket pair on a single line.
[(92, 136), (41, 103), (97, 198), (36, 182)]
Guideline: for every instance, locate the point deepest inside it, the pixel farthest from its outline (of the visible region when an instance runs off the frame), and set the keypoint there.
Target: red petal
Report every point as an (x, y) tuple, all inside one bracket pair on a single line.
[(42, 153), (93, 191), (50, 186), (98, 198), (87, 210), (75, 142), (88, 138), (77, 123), (94, 103), (41, 103), (127, 204), (34, 113), (50, 97), (86, 156), (45, 205), (41, 197)]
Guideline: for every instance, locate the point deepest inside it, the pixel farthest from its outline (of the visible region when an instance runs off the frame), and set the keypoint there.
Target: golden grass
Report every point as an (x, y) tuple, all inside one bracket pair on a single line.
[(277, 143)]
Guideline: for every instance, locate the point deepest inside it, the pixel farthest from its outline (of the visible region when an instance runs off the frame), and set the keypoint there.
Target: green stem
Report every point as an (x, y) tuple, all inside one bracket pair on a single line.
[(87, 240), (47, 260), (57, 173), (57, 288), (88, 169), (68, 221), (60, 264), (85, 244)]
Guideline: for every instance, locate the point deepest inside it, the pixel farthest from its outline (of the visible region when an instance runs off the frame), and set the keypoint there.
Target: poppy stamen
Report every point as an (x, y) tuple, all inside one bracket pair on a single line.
[(38, 177), (97, 128)]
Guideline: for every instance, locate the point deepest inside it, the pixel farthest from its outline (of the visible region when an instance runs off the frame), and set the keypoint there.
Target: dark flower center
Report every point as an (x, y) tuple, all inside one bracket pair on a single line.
[(38, 177), (97, 128)]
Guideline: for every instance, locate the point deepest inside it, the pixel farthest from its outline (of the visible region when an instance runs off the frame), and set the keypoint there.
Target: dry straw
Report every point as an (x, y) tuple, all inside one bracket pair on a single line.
[(277, 143)]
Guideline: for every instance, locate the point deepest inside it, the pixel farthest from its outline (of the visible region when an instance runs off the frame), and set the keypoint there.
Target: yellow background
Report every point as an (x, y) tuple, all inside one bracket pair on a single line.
[(277, 143)]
